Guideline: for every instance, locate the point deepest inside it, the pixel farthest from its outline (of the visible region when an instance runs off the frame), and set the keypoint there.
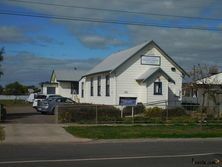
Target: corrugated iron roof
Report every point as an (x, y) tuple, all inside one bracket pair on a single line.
[(68, 75), (152, 71), (117, 59)]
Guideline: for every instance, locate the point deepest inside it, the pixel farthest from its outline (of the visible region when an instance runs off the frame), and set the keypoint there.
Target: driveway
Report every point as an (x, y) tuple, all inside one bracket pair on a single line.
[(38, 133), (27, 115), (25, 125)]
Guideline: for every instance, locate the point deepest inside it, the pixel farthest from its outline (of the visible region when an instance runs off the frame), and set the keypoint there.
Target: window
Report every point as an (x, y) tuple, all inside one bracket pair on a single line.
[(82, 91), (173, 69), (107, 85), (50, 90), (157, 88), (91, 87), (99, 86), (74, 88)]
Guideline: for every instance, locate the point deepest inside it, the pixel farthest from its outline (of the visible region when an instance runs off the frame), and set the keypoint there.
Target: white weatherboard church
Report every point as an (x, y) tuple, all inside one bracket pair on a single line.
[(141, 74)]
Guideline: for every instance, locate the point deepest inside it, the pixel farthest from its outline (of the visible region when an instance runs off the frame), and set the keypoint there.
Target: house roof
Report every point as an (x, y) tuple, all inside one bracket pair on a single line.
[(115, 60), (67, 75), (153, 71), (215, 79)]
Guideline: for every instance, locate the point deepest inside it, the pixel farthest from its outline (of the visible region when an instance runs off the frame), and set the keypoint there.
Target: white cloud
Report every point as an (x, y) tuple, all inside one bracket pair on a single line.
[(11, 34), (94, 41)]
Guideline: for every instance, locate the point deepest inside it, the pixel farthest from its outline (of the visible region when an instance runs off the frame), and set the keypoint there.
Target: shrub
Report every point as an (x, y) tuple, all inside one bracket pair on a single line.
[(108, 114), (175, 112), (191, 106), (87, 113), (138, 109), (153, 112)]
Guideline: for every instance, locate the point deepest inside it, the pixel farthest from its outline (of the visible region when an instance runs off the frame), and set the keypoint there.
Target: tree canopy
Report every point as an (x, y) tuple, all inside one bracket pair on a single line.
[(15, 89)]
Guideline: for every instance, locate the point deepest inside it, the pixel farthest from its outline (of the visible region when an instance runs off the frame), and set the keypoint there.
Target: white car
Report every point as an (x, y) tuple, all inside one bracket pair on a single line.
[(37, 99), (40, 97)]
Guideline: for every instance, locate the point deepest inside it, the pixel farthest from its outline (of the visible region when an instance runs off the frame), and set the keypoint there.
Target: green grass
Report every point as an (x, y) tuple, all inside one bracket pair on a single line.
[(2, 134), (133, 132), (12, 103)]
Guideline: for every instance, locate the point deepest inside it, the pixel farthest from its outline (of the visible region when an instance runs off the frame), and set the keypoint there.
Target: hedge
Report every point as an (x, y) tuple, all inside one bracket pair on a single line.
[(88, 113)]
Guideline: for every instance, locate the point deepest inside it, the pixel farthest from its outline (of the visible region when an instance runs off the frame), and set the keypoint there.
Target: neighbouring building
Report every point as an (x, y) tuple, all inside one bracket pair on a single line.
[(141, 74), (213, 86), (64, 83)]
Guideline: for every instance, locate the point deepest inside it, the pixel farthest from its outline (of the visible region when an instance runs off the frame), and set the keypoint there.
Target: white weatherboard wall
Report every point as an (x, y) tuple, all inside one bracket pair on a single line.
[(131, 70), (103, 99), (64, 89), (123, 81)]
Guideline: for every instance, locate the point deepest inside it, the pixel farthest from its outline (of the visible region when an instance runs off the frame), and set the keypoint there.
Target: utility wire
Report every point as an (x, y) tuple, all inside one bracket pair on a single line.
[(97, 20), (117, 11)]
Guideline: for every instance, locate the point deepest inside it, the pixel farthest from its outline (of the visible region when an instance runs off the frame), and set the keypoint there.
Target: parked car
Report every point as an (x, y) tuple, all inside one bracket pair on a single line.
[(37, 99), (48, 106), (40, 97)]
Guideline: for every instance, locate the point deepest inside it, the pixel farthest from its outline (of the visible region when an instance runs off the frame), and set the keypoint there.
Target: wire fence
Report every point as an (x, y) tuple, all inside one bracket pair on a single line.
[(140, 114)]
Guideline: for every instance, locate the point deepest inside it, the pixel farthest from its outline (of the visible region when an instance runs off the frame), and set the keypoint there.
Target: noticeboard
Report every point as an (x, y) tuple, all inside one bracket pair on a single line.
[(150, 60), (127, 101)]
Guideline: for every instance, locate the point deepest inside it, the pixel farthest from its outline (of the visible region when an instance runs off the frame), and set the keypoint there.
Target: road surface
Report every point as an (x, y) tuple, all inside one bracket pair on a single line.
[(95, 154)]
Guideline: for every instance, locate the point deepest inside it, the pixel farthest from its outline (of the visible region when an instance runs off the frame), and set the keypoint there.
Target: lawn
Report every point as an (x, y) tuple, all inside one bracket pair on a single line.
[(12, 103), (133, 132)]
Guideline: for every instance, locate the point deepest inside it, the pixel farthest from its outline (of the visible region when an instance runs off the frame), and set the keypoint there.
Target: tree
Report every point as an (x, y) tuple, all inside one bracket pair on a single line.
[(15, 89), (206, 83), (2, 51)]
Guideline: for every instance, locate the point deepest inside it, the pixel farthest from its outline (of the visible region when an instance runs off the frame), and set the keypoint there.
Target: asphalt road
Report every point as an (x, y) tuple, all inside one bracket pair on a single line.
[(118, 154)]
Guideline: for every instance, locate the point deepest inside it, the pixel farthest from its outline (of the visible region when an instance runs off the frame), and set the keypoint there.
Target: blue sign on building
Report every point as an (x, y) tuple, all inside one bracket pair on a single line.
[(127, 101)]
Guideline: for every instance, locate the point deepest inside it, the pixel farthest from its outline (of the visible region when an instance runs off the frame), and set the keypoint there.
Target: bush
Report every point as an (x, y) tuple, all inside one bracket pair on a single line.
[(162, 114), (138, 109), (153, 112), (87, 114), (175, 112), (191, 106), (108, 114)]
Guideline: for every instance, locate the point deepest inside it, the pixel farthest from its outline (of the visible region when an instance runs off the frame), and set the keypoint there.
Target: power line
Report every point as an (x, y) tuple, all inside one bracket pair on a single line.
[(97, 20), (117, 11)]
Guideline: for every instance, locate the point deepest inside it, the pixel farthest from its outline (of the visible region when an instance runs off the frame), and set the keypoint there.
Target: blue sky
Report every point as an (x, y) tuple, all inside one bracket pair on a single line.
[(84, 44)]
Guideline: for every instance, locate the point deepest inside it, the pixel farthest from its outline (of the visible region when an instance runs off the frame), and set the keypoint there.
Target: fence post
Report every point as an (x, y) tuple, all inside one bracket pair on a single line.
[(1, 112), (96, 115), (56, 114), (132, 115), (167, 112)]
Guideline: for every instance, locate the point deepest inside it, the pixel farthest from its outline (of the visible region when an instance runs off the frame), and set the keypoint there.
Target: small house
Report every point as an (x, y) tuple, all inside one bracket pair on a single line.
[(64, 83)]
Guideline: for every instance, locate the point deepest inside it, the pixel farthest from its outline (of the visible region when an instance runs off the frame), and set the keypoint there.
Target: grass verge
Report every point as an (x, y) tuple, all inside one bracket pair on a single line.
[(133, 132), (2, 134)]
